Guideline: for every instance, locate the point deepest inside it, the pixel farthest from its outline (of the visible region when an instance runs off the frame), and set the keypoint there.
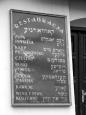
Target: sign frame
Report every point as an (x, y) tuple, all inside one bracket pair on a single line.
[(11, 61)]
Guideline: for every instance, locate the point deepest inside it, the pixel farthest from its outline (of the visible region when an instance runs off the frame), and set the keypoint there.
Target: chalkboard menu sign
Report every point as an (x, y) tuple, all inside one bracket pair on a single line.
[(39, 59)]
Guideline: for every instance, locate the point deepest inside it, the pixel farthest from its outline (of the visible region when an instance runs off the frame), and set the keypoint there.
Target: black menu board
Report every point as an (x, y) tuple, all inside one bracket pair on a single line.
[(39, 59)]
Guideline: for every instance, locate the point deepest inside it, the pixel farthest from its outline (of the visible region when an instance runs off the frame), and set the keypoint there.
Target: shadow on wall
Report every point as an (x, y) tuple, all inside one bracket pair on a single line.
[(79, 22), (53, 2), (77, 5)]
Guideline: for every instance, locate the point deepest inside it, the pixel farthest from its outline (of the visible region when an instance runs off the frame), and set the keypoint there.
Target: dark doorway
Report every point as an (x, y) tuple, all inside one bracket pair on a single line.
[(78, 38)]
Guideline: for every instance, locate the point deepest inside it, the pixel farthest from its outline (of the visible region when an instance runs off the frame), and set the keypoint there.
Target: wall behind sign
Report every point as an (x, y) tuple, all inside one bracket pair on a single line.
[(46, 6)]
